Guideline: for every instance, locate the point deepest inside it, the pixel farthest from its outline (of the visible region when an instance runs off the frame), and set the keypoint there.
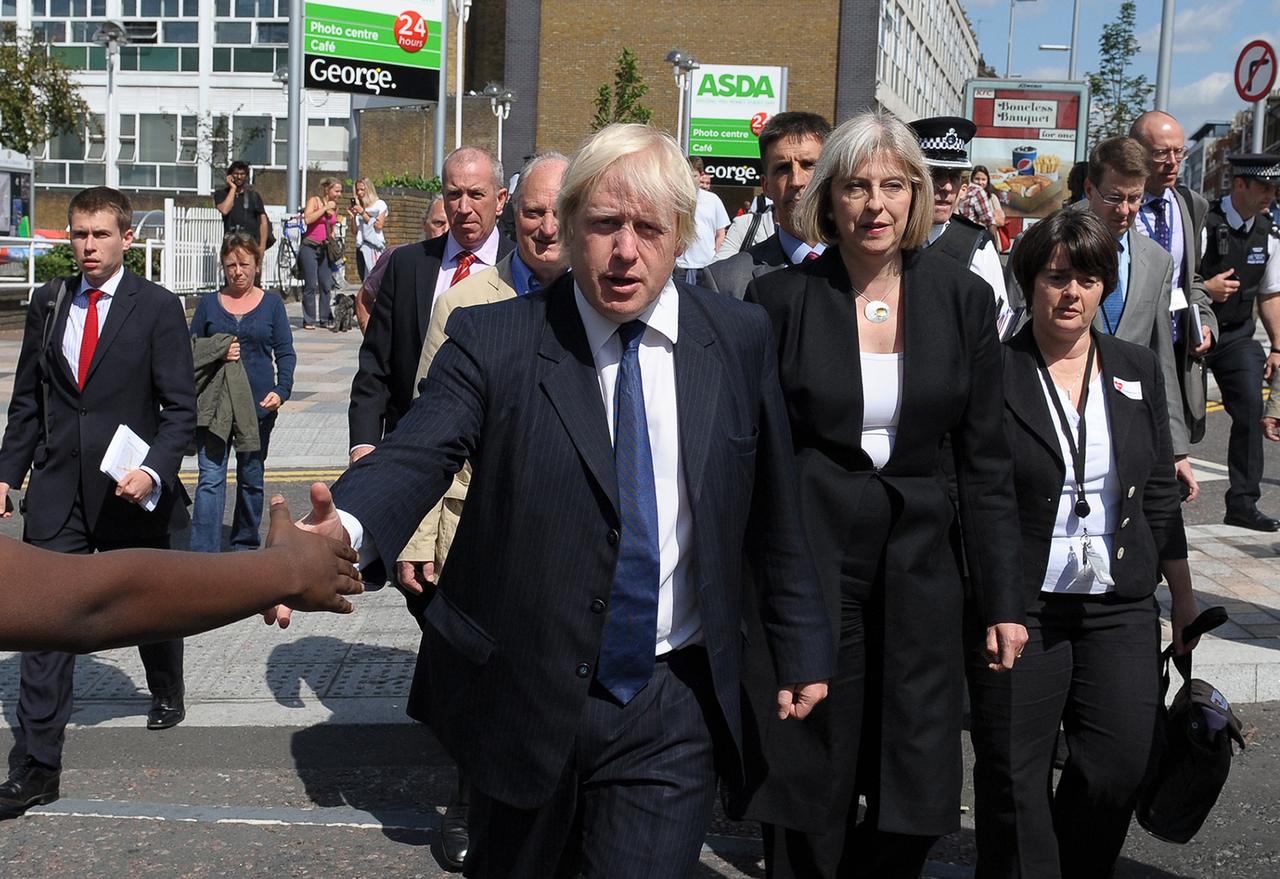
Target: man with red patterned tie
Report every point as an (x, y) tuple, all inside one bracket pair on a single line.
[(417, 274), (101, 350)]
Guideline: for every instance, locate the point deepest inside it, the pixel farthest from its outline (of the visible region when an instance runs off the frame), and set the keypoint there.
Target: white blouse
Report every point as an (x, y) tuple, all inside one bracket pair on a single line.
[(1101, 490), (881, 404)]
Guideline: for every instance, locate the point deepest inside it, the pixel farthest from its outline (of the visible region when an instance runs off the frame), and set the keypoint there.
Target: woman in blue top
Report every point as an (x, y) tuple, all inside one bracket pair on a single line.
[(264, 344)]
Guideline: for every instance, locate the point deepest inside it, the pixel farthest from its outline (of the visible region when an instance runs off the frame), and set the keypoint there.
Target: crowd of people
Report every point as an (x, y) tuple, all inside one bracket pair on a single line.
[(681, 502)]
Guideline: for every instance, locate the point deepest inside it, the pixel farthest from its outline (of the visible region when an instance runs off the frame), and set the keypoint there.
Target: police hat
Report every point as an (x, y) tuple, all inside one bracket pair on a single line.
[(944, 140), (1263, 166)]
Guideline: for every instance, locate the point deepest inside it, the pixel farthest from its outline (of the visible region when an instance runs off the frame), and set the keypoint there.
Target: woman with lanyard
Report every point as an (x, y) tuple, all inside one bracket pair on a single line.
[(1088, 428)]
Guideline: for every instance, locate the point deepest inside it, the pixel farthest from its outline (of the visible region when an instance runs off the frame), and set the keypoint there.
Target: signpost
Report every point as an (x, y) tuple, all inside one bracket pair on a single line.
[(1255, 77), (1030, 135), (728, 105), (387, 48)]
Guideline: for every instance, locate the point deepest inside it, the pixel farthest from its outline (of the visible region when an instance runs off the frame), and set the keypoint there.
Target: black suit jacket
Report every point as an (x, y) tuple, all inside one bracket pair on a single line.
[(1150, 525), (512, 635), (382, 389), (141, 375), (951, 385)]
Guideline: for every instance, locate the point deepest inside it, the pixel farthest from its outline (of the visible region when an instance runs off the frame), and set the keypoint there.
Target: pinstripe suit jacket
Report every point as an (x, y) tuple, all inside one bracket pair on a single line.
[(511, 637)]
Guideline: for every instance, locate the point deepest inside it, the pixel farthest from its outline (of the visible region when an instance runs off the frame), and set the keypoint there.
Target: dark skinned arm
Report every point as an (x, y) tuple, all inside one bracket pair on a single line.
[(92, 602)]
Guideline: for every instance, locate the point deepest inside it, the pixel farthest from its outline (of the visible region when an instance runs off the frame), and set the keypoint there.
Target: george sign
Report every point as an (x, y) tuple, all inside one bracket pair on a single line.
[(388, 48), (728, 106), (1030, 135), (1255, 71)]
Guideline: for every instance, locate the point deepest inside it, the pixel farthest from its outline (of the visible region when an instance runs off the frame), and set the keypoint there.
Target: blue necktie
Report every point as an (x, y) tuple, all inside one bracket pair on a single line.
[(1163, 236), (1113, 304), (626, 654)]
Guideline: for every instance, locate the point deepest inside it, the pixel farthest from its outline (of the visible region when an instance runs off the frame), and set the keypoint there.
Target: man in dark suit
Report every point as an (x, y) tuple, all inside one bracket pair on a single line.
[(581, 654), (102, 349), (1172, 215), (416, 275), (790, 144)]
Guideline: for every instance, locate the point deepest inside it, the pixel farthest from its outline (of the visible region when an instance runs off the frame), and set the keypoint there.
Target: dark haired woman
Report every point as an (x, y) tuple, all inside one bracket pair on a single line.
[(1088, 427)]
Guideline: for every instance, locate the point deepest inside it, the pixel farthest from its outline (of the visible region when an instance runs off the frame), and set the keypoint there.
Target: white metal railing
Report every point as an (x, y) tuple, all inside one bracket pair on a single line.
[(188, 249)]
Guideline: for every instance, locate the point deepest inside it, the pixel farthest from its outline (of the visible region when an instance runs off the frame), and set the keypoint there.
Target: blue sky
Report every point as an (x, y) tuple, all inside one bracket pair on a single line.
[(1207, 37)]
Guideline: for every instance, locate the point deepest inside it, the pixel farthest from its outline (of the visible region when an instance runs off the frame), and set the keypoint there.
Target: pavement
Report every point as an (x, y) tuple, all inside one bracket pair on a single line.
[(354, 671)]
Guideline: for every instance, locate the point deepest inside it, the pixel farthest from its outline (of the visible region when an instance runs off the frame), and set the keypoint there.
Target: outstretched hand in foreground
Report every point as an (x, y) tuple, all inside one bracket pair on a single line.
[(321, 522)]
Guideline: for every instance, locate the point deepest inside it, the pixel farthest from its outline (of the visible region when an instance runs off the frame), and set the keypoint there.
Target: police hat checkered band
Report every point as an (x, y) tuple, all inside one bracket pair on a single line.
[(950, 142), (1261, 165)]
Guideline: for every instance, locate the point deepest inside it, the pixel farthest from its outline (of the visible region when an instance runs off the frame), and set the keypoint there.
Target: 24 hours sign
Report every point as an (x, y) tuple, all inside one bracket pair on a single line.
[(728, 105), (389, 48)]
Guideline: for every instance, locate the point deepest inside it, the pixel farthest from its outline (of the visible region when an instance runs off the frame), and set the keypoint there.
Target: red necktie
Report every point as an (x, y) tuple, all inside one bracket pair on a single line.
[(89, 341), (811, 256), (465, 259)]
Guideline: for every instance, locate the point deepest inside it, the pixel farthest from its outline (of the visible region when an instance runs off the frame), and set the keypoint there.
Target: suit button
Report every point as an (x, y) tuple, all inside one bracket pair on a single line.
[(613, 537), (1132, 489), (1120, 553), (1049, 499), (597, 605), (1124, 523), (75, 453), (584, 670), (84, 411)]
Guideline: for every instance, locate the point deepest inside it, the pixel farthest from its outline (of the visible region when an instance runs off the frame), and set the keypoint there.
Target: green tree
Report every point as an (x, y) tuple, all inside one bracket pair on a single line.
[(1116, 97), (38, 98), (621, 102)]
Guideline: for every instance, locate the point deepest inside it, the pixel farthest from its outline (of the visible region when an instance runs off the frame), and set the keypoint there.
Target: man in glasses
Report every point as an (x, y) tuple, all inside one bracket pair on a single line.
[(1172, 215)]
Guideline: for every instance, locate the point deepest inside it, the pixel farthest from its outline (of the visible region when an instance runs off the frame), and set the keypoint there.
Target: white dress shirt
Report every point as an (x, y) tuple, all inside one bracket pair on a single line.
[(486, 256), (1101, 490), (679, 620), (73, 335), (795, 249)]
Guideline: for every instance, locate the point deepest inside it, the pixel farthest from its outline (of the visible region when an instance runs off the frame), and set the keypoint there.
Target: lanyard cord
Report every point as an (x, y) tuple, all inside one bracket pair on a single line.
[(1077, 448)]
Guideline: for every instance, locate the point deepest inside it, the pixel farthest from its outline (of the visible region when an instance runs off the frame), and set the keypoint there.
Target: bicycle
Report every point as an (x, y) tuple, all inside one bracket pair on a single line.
[(291, 232)]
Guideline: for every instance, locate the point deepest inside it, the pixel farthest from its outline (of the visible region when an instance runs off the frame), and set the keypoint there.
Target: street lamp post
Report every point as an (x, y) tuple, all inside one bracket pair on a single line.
[(462, 9), (113, 35), (682, 67), (500, 101), (1008, 58)]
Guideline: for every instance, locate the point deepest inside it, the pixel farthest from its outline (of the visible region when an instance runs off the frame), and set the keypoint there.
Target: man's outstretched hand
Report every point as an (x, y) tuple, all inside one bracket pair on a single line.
[(321, 570), (322, 520)]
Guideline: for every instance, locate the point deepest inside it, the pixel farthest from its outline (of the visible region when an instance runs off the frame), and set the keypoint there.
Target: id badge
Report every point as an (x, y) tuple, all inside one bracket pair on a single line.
[(1096, 563)]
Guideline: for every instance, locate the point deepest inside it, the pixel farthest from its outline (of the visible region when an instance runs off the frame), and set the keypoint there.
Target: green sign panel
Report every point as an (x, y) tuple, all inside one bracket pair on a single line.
[(388, 48), (728, 106)]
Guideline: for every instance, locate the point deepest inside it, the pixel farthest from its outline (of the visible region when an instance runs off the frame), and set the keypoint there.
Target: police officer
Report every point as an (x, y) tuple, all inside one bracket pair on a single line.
[(1241, 267), (945, 142)]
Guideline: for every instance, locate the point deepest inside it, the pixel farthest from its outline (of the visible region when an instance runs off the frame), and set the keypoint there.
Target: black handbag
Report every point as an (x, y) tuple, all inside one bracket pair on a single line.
[(335, 248), (1191, 754)]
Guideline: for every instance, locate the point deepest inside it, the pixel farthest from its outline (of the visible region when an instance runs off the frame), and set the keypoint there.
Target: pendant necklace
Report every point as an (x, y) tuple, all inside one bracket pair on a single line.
[(876, 310)]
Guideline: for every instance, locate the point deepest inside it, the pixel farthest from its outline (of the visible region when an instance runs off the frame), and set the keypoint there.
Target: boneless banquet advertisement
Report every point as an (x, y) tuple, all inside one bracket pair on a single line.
[(1030, 135)]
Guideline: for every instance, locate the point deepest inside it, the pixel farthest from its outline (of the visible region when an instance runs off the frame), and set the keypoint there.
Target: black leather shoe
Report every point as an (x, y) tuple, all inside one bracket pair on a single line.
[(31, 784), (453, 836), (166, 711), (1252, 519)]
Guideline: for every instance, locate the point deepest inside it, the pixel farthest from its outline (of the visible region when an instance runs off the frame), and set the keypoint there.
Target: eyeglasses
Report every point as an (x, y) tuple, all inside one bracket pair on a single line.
[(1115, 199), (1169, 155)]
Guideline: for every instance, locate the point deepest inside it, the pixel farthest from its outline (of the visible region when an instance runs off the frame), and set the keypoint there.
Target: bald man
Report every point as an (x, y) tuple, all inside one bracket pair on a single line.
[(1173, 215), (415, 277)]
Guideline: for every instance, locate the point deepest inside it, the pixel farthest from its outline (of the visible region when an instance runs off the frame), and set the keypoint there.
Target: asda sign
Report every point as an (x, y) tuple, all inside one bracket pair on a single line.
[(388, 48), (728, 106)]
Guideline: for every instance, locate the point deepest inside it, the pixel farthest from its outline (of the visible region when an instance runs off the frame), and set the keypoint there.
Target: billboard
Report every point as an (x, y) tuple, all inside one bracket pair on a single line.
[(728, 105), (1030, 135), (388, 48)]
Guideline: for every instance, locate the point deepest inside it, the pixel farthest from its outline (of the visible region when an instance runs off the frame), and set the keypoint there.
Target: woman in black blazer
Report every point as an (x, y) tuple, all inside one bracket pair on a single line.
[(1086, 421), (883, 351)]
